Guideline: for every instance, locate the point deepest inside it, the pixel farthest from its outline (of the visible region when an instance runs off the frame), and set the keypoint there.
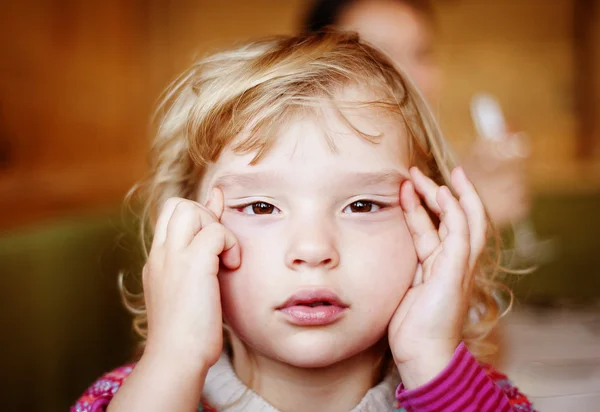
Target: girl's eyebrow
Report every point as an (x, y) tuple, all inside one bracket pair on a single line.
[(390, 177), (384, 177), (247, 179)]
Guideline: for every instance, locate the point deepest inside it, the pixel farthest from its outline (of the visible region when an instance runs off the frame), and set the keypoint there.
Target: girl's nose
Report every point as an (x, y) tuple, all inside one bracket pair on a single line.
[(312, 246)]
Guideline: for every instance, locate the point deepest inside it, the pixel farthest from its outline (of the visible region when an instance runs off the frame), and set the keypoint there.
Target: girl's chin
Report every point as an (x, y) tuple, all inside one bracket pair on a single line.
[(321, 354), (311, 348), (311, 361)]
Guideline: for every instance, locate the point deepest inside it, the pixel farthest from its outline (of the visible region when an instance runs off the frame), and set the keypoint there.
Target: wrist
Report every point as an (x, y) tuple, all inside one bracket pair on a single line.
[(162, 380), (176, 362), (421, 370)]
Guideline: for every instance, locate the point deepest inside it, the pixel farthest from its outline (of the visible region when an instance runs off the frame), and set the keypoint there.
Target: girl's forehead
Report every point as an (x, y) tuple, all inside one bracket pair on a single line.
[(349, 139)]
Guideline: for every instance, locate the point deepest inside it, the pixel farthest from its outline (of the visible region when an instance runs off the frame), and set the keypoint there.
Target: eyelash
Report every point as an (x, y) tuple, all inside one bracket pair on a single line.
[(371, 203), (251, 205), (379, 205)]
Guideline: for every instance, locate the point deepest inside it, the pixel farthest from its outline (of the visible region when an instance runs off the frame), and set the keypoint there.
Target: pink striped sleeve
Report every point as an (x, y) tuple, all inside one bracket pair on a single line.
[(463, 385), (97, 397)]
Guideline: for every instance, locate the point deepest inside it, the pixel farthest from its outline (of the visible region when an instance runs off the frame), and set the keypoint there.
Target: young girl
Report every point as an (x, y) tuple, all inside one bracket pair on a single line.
[(312, 250)]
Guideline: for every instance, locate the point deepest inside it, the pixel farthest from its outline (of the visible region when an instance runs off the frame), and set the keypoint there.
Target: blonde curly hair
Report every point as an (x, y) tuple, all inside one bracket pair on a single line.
[(262, 84)]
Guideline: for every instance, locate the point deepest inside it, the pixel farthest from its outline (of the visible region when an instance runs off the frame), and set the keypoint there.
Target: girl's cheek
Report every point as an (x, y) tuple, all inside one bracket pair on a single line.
[(389, 227), (247, 227), (255, 235)]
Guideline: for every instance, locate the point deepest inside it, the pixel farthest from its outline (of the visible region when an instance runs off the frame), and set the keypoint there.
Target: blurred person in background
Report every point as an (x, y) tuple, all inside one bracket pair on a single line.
[(405, 31)]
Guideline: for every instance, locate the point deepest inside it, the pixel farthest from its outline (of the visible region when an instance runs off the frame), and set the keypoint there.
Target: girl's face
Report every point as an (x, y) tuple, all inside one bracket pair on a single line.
[(326, 254)]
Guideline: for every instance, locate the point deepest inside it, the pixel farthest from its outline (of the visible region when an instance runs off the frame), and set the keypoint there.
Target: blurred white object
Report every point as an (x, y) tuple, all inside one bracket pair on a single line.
[(488, 117), (490, 124)]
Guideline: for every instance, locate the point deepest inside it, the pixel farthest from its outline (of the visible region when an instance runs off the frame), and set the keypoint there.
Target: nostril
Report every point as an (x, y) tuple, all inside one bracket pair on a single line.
[(324, 262)]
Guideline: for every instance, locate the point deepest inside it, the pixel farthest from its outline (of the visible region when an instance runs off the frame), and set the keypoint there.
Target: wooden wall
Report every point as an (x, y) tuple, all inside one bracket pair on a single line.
[(78, 81), (75, 89)]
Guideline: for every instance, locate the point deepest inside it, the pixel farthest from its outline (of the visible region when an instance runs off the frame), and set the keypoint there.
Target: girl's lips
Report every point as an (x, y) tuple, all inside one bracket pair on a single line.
[(313, 316), (313, 307)]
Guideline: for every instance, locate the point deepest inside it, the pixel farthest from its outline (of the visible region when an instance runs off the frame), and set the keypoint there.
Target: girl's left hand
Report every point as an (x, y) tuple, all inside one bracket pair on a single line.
[(427, 326)]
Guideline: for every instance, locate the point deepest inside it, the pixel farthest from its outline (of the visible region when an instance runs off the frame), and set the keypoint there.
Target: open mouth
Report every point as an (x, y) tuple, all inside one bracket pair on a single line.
[(314, 304)]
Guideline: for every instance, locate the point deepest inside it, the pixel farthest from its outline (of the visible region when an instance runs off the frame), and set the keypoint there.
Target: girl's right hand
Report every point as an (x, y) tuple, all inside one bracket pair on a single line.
[(181, 288)]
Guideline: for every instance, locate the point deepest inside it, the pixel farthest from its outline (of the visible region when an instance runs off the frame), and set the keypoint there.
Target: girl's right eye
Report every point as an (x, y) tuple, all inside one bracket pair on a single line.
[(259, 208)]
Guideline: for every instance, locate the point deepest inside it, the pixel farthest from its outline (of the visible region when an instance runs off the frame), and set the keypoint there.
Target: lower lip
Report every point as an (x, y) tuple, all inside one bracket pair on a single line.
[(313, 316)]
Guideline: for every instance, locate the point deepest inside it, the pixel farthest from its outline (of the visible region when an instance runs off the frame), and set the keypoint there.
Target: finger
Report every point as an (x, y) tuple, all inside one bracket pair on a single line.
[(216, 203), (442, 231), (187, 220), (231, 258), (160, 230), (456, 246), (475, 213), (420, 226), (427, 188), (419, 276), (214, 240)]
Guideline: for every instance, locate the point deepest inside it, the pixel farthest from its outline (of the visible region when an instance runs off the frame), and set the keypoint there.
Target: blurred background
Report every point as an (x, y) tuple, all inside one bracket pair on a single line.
[(78, 80)]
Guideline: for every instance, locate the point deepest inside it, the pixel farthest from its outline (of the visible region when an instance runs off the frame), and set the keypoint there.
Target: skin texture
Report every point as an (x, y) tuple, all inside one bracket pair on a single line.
[(291, 223)]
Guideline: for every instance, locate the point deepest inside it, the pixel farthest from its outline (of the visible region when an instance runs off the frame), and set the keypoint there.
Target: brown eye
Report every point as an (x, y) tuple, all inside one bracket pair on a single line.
[(259, 208), (262, 208), (361, 206)]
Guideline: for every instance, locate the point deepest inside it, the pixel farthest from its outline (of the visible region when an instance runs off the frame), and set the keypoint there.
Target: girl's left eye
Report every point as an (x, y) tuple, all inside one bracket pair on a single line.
[(362, 206), (259, 208)]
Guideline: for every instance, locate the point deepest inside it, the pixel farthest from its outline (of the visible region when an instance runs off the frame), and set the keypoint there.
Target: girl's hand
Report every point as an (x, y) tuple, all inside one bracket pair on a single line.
[(180, 281), (427, 326)]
